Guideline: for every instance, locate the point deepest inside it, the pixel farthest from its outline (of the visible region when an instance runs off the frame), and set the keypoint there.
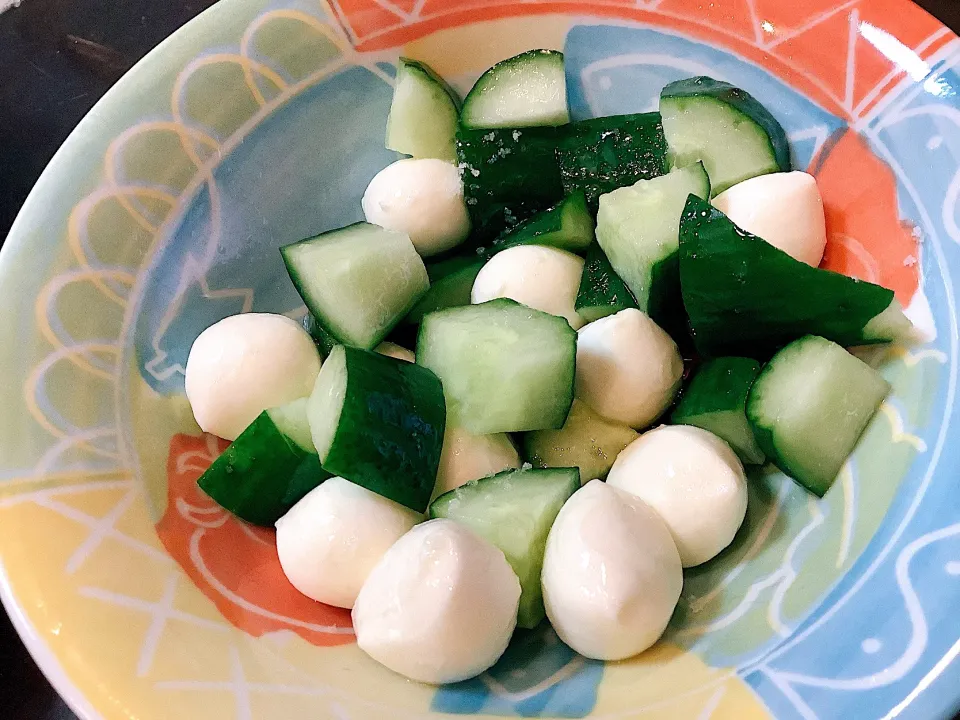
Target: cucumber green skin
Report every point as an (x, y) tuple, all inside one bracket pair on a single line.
[(390, 433), (509, 175), (601, 292), (602, 154), (489, 79), (745, 297), (440, 269), (741, 101), (816, 473), (488, 507), (322, 338), (447, 328), (716, 400), (262, 474), (568, 225), (450, 291)]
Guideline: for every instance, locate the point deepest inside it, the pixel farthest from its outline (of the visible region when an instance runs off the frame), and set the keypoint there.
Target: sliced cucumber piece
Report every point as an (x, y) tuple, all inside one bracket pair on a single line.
[(358, 281), (716, 400), (586, 441), (324, 341), (745, 297), (378, 422), (638, 228), (810, 405), (568, 225), (424, 113), (603, 154), (723, 126), (601, 292), (291, 419), (509, 175), (452, 290), (267, 469), (527, 90), (504, 367), (515, 511)]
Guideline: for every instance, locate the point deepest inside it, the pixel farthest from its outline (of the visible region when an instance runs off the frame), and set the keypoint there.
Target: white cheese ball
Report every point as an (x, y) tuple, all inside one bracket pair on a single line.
[(329, 541), (628, 368), (611, 574), (422, 198), (543, 278), (785, 209), (396, 351), (440, 606), (246, 364), (694, 481), (467, 457)]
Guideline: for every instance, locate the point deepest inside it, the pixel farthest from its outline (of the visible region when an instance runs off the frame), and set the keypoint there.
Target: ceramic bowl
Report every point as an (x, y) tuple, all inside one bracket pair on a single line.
[(261, 123)]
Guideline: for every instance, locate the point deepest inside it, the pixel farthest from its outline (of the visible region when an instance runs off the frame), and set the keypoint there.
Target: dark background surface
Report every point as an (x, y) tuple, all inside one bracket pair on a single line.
[(57, 57)]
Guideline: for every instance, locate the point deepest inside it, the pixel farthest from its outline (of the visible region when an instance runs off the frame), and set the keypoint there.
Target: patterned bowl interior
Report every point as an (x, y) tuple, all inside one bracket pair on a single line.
[(260, 124)]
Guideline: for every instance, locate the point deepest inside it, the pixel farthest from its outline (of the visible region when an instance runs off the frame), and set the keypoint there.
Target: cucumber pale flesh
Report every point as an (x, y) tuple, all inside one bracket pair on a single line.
[(504, 367), (723, 126), (810, 405), (424, 113), (515, 511)]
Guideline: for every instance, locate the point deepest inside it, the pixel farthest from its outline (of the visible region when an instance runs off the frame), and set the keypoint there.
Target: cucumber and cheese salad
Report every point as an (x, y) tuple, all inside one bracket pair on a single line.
[(526, 387)]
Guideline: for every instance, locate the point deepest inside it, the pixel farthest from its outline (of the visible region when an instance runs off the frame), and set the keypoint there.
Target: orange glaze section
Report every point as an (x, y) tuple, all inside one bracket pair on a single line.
[(233, 563), (865, 236), (787, 40)]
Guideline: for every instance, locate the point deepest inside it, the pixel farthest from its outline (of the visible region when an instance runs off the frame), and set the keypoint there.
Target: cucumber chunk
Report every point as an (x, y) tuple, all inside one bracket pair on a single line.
[(515, 511), (358, 281), (324, 341), (601, 292), (586, 441), (424, 113), (716, 400), (568, 225), (527, 90), (723, 126), (452, 290), (504, 367), (378, 422), (603, 154), (810, 405), (638, 228), (745, 297), (509, 175), (267, 469)]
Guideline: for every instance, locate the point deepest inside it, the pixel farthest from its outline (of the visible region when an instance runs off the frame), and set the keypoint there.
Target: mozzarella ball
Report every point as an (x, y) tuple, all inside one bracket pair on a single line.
[(785, 209), (628, 368), (611, 574), (440, 606), (396, 351), (467, 457), (329, 541), (422, 198), (543, 278), (693, 480), (246, 364)]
